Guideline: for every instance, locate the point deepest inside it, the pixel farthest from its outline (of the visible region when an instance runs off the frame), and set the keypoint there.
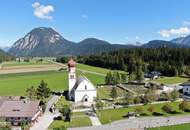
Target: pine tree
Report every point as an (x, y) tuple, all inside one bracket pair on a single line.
[(43, 91)]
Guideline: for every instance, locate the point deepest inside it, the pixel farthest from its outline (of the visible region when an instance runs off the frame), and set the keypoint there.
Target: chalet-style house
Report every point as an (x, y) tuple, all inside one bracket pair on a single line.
[(80, 89), (17, 111), (186, 90)]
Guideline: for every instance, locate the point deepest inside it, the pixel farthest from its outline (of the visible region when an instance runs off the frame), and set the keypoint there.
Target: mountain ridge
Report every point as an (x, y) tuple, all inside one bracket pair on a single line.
[(43, 41)]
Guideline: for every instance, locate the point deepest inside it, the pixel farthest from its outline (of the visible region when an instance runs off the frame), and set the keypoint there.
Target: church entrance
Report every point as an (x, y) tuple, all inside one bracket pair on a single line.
[(85, 98)]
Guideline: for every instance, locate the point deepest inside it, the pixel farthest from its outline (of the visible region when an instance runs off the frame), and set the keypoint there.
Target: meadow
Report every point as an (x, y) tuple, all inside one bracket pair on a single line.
[(171, 80), (16, 84), (34, 61)]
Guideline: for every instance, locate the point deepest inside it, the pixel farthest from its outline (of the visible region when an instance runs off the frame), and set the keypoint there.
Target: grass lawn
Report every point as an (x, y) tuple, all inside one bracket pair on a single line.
[(110, 115), (33, 61), (104, 92), (175, 127), (79, 119), (171, 80)]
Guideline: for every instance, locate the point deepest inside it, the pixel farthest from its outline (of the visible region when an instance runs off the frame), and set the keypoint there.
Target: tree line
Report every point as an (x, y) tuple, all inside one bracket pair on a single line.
[(168, 61)]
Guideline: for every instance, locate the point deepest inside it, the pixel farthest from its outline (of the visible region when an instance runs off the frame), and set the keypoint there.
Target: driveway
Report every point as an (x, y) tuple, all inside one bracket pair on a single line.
[(47, 118)]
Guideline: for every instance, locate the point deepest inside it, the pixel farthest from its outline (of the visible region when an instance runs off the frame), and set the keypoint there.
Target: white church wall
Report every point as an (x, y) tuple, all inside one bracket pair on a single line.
[(79, 95)]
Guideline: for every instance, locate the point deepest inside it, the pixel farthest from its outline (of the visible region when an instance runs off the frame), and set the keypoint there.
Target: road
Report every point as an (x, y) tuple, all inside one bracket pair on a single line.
[(47, 118), (140, 123)]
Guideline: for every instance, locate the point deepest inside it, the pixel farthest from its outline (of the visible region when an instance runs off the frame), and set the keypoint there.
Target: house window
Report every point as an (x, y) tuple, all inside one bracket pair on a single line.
[(85, 87)]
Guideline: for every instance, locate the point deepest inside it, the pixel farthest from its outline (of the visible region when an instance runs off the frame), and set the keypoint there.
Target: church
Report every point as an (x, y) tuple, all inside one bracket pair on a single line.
[(80, 89)]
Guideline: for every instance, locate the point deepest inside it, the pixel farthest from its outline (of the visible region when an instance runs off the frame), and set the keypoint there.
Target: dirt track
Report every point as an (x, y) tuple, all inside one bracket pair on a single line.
[(28, 68)]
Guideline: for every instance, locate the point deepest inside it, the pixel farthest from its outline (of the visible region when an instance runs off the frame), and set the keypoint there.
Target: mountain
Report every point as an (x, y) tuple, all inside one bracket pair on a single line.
[(47, 42), (41, 42), (182, 40), (162, 43)]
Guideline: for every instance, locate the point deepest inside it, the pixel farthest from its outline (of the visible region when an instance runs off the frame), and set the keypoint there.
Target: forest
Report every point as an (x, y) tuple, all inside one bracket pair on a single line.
[(168, 61)]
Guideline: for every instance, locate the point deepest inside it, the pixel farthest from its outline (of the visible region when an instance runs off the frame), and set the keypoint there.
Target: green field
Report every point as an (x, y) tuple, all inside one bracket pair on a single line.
[(110, 115), (171, 80), (79, 119), (33, 61), (92, 68), (16, 84), (175, 127)]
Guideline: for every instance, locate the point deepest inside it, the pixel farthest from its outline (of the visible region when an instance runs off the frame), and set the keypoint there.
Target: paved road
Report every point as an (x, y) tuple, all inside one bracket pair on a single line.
[(139, 123), (47, 118)]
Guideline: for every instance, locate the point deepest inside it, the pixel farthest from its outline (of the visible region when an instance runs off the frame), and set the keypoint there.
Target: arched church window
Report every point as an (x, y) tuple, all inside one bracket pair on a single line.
[(85, 87)]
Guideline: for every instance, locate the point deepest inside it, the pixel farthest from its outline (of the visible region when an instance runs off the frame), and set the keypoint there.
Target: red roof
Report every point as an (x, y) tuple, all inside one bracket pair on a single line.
[(71, 63)]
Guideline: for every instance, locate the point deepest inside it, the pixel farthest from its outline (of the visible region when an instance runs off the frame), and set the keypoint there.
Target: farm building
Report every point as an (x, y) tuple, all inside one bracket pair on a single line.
[(80, 89), (17, 111)]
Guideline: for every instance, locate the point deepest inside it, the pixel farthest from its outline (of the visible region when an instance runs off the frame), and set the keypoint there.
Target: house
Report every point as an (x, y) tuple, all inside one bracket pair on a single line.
[(186, 90), (80, 89), (152, 75), (17, 111)]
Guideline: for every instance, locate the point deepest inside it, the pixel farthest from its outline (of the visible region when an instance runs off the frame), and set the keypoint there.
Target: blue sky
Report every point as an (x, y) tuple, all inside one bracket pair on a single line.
[(117, 21)]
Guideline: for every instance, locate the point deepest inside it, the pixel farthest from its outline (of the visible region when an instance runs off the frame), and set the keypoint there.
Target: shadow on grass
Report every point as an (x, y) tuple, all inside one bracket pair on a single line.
[(157, 114)]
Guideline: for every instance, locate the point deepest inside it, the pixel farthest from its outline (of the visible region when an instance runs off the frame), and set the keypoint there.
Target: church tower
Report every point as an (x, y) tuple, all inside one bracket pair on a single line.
[(72, 74)]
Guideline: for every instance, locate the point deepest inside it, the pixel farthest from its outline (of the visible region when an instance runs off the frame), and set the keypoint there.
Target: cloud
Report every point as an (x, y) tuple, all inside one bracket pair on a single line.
[(42, 11), (186, 23), (182, 31), (84, 16)]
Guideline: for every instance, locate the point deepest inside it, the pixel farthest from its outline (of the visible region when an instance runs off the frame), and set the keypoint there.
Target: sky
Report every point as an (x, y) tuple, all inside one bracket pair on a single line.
[(116, 21)]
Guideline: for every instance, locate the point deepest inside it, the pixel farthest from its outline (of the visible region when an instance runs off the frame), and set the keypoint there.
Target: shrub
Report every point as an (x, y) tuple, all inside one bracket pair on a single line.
[(151, 109), (167, 108), (184, 106)]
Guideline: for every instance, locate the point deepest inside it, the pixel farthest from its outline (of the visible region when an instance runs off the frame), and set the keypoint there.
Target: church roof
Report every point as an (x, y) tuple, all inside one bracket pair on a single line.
[(80, 80), (71, 63)]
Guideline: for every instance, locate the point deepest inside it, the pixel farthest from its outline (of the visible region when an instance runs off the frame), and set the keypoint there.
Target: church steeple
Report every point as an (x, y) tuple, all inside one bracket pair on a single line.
[(72, 73)]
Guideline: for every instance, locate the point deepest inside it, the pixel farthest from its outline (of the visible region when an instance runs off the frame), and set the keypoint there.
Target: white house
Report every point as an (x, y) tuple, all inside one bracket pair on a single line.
[(186, 90), (80, 89)]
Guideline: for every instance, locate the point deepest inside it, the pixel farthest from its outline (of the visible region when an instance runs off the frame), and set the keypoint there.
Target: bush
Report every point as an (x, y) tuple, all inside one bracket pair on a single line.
[(184, 106), (151, 109), (167, 108)]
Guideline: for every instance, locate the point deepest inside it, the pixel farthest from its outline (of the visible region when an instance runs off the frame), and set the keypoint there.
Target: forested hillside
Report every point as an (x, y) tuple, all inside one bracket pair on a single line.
[(4, 56), (169, 61)]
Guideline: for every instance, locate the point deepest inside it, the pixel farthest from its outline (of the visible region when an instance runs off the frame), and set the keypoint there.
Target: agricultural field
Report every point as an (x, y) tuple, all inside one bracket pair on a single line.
[(79, 119), (109, 115), (16, 84), (171, 80), (34, 61), (175, 127)]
